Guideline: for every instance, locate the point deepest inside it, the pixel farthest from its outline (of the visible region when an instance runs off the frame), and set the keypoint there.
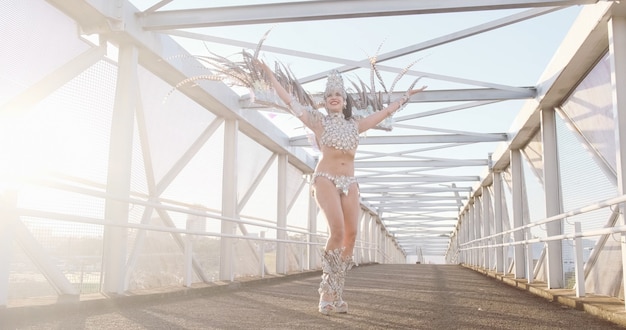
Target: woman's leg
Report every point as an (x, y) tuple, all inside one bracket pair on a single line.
[(329, 202), (328, 199), (350, 205), (351, 209)]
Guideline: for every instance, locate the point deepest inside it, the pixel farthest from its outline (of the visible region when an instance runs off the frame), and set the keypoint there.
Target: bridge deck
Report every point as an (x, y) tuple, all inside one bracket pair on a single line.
[(380, 297)]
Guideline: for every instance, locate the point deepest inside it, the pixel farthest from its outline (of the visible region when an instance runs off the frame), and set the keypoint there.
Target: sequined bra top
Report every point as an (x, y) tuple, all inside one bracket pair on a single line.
[(340, 133)]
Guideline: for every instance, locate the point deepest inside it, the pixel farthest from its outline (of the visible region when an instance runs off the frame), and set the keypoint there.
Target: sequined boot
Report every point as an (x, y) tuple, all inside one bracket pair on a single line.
[(345, 264), (331, 267)]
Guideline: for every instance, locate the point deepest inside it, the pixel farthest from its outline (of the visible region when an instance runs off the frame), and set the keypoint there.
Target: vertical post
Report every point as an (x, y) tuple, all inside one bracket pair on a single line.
[(460, 235), (8, 216), (476, 230), (472, 232), (488, 220), (374, 240), (379, 243), (194, 224), (380, 257), (281, 215), (262, 254), (579, 271), (312, 247), (188, 275), (518, 211), (481, 230), (498, 220), (552, 184), (478, 251), (229, 198), (119, 171), (466, 238), (617, 53), (529, 257)]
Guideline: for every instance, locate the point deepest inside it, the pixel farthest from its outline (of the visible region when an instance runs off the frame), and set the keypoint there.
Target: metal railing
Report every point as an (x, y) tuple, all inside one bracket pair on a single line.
[(64, 281), (577, 235)]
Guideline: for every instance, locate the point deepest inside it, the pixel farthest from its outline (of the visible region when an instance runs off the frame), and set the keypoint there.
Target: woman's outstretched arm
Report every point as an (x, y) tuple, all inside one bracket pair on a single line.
[(378, 116), (294, 106), (280, 90)]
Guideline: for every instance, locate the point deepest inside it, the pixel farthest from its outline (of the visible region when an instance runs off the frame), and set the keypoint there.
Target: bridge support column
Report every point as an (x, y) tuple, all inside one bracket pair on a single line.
[(8, 218), (119, 171), (281, 215), (617, 54), (476, 209), (463, 237), (472, 232), (229, 199), (498, 221), (518, 211), (487, 222), (552, 185)]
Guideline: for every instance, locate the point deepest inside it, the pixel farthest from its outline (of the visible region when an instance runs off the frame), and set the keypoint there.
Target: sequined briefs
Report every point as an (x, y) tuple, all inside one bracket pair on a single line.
[(342, 182)]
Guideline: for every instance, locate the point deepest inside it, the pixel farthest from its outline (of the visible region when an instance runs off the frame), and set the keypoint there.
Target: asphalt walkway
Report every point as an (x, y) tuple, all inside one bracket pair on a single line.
[(380, 297)]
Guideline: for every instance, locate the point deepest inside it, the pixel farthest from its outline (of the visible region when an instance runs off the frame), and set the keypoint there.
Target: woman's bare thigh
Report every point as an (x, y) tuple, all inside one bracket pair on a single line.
[(350, 205), (329, 201)]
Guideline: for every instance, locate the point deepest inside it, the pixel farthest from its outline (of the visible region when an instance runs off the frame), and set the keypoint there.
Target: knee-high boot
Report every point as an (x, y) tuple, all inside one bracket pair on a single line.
[(345, 264), (331, 269)]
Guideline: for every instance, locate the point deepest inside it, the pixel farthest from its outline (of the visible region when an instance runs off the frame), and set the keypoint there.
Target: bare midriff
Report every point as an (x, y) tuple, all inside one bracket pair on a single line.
[(336, 161)]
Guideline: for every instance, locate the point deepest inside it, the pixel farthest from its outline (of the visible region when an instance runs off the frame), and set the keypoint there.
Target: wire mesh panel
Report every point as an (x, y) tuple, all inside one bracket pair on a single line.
[(587, 156)]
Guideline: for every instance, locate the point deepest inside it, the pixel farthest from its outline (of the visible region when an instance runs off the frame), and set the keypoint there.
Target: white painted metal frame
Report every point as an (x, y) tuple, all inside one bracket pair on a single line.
[(169, 21), (608, 30), (617, 51)]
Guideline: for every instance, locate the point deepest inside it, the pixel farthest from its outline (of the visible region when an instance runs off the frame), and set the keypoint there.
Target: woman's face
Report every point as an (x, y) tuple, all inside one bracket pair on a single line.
[(334, 101)]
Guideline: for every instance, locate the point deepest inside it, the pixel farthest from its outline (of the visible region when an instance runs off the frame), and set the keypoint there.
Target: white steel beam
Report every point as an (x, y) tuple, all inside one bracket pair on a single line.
[(458, 35), (8, 220), (487, 224), (517, 192), (59, 77), (471, 231), (229, 199), (443, 95), (325, 10), (257, 180), (412, 192), (617, 54), (498, 197), (518, 91), (419, 178), (182, 162), (119, 170), (552, 186), (302, 141), (422, 163), (281, 215)]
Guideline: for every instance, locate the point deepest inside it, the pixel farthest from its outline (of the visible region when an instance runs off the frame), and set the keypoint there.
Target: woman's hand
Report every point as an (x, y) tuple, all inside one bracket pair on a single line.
[(262, 65), (415, 91)]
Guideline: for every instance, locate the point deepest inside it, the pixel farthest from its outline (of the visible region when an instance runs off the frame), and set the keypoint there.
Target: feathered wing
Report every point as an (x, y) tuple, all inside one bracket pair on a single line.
[(367, 99), (247, 73)]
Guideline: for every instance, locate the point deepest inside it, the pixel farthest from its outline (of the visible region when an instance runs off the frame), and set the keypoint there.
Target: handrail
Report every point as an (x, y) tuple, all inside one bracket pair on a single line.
[(585, 209)]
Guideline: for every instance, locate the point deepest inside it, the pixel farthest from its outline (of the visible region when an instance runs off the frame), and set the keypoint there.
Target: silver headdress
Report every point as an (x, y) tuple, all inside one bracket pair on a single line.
[(335, 83)]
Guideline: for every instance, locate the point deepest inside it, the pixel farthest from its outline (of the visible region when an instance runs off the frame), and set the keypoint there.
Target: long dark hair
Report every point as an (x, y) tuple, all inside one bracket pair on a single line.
[(347, 110)]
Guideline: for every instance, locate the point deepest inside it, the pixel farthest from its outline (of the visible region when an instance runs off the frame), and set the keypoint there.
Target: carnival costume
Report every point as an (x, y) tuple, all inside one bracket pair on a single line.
[(338, 132)]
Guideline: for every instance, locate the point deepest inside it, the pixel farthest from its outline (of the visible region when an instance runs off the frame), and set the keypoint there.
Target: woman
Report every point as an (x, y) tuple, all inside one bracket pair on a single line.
[(334, 184)]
